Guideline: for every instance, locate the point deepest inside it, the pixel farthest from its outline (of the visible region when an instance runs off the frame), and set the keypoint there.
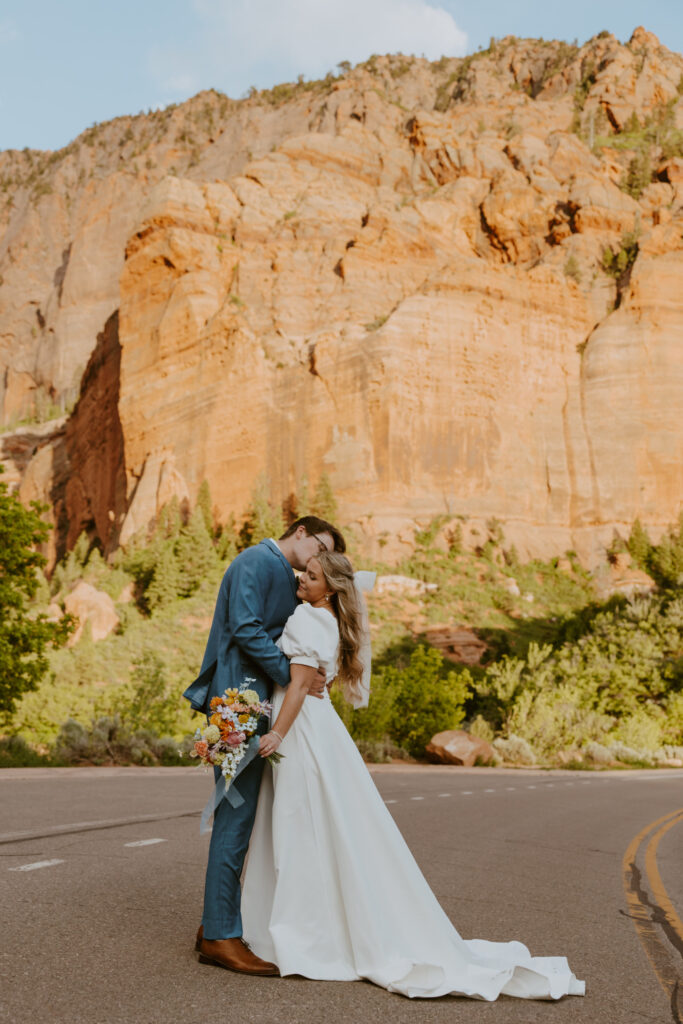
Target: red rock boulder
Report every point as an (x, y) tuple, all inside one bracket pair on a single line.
[(454, 746)]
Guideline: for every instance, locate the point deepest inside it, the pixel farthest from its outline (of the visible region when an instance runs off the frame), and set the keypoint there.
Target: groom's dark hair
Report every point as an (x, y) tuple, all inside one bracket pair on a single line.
[(312, 525)]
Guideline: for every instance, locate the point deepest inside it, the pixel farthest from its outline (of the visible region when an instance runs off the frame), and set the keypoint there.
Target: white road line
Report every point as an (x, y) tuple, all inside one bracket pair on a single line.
[(444, 794), (549, 785), (37, 864), (145, 842), (466, 792), (531, 787), (417, 798), (511, 787), (391, 801), (489, 791), (569, 783)]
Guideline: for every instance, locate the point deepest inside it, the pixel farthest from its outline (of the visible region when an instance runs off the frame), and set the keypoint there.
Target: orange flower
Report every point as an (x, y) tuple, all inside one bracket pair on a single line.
[(215, 701), (215, 720)]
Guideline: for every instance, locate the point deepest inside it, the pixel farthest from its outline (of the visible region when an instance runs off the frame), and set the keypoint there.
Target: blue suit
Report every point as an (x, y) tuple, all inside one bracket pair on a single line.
[(255, 599)]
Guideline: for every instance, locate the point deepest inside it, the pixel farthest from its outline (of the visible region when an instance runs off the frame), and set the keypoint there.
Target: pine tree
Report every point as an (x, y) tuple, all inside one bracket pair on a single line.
[(303, 499), (195, 554), (324, 503), (165, 583), (639, 544), (170, 520), (204, 503), (263, 519), (228, 538)]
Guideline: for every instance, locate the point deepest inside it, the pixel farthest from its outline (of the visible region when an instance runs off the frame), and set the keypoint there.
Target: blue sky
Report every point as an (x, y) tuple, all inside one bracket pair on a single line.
[(67, 63)]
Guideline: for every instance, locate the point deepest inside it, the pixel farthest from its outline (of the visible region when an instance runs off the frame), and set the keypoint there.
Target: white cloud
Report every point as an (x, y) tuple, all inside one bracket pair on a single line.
[(239, 43)]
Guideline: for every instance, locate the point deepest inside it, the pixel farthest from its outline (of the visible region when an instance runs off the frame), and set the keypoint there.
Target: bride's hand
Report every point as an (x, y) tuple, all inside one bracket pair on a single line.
[(269, 743)]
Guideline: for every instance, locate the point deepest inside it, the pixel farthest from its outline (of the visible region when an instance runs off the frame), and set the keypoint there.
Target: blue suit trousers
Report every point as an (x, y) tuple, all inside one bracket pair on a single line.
[(229, 843)]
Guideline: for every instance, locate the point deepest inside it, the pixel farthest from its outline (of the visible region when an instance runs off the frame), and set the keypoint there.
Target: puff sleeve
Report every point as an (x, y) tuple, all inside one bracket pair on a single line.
[(310, 637)]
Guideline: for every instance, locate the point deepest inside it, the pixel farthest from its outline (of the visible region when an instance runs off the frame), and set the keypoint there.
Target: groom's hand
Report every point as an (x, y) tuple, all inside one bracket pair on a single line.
[(317, 686)]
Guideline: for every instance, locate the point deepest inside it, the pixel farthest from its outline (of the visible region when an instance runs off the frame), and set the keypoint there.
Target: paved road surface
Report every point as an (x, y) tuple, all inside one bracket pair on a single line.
[(102, 875)]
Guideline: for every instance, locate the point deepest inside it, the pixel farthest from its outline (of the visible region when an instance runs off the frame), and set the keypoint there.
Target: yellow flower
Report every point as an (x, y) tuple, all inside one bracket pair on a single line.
[(212, 734), (243, 718), (250, 696)]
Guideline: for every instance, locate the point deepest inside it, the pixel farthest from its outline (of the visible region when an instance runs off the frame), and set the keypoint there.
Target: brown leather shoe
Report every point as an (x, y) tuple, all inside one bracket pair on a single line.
[(234, 955), (200, 936)]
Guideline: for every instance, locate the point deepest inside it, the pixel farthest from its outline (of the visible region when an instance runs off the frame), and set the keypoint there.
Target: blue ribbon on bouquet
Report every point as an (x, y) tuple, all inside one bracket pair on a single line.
[(224, 789)]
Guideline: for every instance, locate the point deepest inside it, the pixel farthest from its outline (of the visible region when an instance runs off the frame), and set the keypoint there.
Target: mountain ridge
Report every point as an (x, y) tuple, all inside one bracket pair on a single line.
[(327, 232)]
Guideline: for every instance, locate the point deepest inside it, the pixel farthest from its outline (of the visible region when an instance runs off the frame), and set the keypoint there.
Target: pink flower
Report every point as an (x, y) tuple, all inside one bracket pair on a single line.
[(235, 738)]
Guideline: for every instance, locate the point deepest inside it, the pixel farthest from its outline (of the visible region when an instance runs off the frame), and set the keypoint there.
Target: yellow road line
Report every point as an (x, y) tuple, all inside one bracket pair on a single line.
[(656, 885), (643, 910)]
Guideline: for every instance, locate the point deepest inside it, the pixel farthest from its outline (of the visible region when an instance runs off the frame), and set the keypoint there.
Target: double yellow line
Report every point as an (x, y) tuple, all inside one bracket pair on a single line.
[(653, 914)]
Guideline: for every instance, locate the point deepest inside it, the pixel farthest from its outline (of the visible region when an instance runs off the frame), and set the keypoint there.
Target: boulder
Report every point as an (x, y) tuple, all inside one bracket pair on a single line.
[(394, 584), (457, 643), (454, 746), (87, 604)]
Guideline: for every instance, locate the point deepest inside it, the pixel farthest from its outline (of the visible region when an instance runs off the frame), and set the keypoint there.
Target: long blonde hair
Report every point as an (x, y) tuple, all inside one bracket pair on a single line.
[(345, 601)]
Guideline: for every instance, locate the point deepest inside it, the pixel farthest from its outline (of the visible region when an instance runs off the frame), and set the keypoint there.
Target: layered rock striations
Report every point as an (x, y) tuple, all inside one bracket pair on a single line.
[(452, 287)]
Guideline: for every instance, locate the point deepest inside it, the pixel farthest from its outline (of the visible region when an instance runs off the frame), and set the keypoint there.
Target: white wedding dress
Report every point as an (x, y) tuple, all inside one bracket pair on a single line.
[(331, 890)]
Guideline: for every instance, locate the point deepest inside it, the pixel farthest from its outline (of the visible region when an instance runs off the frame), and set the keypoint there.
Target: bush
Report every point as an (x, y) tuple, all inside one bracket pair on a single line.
[(597, 754), (25, 636), (515, 750), (407, 706), (16, 753), (381, 751), (425, 703), (110, 741)]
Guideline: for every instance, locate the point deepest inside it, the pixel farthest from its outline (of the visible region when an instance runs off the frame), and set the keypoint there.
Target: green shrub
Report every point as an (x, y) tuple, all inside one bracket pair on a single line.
[(16, 753), (110, 741), (425, 703), (617, 263), (515, 750)]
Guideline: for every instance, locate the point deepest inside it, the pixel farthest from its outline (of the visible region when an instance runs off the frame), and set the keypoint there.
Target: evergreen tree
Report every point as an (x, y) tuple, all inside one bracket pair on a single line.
[(204, 503), (263, 519), (227, 540), (24, 637), (170, 520), (165, 583), (303, 500), (195, 554), (324, 503), (639, 544)]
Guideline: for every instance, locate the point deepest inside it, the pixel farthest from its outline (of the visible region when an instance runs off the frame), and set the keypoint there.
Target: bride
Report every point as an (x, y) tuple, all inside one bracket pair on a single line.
[(331, 890)]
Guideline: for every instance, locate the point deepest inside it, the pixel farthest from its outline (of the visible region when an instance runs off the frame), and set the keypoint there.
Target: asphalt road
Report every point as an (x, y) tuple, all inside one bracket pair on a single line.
[(102, 931)]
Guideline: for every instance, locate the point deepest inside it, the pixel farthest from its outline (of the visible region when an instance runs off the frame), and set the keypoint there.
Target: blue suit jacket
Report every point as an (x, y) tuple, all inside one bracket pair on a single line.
[(255, 599)]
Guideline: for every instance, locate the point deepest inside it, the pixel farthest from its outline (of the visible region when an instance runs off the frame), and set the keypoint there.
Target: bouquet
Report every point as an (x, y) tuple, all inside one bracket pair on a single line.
[(232, 724)]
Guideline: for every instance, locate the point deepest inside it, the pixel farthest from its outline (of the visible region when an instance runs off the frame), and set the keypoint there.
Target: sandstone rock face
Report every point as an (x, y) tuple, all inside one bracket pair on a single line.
[(454, 746), (395, 278), (92, 606)]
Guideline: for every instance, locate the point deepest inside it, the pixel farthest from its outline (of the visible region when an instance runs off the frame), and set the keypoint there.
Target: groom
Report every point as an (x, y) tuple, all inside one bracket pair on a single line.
[(255, 599)]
